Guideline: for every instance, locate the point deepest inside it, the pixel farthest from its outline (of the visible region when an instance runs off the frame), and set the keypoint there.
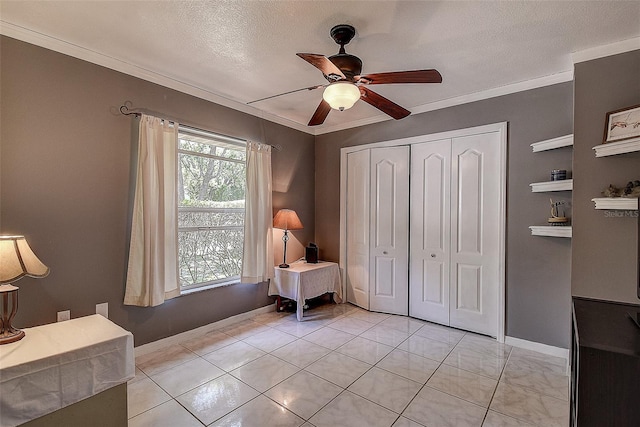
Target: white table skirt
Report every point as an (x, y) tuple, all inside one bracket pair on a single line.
[(59, 364), (302, 281)]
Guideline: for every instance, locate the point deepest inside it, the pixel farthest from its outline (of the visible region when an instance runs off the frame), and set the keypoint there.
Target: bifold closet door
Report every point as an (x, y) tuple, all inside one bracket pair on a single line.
[(455, 232), (430, 231), (358, 207), (378, 229), (389, 245)]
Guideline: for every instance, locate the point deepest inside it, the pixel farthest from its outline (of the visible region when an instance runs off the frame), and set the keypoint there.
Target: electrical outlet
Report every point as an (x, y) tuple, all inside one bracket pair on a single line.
[(64, 315), (103, 309)]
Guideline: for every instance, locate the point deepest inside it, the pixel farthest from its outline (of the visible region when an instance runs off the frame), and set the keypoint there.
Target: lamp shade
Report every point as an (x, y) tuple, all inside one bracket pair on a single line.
[(287, 219), (341, 95), (18, 260)]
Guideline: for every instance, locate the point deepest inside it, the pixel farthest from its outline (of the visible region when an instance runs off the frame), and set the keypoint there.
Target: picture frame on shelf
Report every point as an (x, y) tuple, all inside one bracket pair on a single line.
[(622, 124)]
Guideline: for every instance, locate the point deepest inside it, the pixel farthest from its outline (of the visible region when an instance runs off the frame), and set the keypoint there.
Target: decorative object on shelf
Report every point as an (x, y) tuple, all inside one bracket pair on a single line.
[(611, 191), (631, 191), (16, 261), (557, 215), (622, 124), (558, 174), (286, 219)]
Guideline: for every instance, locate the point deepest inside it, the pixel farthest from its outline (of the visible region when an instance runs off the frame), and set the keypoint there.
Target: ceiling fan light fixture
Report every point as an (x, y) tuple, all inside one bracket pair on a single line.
[(341, 95)]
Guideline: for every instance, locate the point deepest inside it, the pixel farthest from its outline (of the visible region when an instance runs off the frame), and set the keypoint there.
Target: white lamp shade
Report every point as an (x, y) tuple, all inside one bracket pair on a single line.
[(18, 260), (341, 95)]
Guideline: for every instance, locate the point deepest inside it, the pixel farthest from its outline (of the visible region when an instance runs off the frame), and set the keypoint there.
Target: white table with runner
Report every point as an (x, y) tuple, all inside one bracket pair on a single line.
[(302, 281)]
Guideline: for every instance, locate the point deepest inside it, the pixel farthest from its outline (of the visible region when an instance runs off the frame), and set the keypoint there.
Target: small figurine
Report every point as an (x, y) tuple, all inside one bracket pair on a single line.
[(612, 191), (557, 217), (632, 190)]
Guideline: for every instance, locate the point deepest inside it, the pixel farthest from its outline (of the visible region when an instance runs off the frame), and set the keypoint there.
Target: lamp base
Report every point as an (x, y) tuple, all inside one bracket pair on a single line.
[(283, 265), (8, 333), (11, 335)]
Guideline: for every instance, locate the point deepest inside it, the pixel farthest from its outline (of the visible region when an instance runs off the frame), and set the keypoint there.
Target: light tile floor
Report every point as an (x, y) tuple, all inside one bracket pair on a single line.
[(344, 366)]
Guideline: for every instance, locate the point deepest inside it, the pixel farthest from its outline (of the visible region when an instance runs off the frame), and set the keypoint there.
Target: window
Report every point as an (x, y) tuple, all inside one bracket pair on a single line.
[(211, 193)]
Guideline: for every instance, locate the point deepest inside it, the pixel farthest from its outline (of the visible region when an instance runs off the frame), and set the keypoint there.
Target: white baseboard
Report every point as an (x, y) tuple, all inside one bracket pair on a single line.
[(539, 347), (178, 338)]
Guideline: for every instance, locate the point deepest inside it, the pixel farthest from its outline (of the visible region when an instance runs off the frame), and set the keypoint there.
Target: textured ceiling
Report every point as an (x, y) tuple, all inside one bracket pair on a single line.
[(241, 51)]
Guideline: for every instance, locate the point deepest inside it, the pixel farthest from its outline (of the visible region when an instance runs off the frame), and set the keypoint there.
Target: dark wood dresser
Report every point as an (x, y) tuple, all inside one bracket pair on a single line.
[(605, 364)]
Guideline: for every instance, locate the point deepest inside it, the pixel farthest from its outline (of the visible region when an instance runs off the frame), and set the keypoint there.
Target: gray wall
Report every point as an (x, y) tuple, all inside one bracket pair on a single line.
[(604, 246), (65, 183), (538, 268)]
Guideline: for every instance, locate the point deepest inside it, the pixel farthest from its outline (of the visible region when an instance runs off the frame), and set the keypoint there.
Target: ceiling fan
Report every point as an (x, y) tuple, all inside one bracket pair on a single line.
[(347, 84)]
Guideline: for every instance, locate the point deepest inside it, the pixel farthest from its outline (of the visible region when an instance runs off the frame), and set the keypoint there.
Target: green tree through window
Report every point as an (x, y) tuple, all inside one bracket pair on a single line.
[(211, 192)]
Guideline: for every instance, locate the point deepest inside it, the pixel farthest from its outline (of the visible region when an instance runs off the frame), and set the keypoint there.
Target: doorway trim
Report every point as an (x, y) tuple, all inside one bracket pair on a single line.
[(501, 128)]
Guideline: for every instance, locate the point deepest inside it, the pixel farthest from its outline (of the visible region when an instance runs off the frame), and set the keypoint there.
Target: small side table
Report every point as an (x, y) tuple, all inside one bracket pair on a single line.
[(302, 281)]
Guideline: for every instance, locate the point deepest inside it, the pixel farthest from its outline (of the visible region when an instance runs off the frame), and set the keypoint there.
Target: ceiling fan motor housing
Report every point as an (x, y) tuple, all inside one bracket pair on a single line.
[(350, 65)]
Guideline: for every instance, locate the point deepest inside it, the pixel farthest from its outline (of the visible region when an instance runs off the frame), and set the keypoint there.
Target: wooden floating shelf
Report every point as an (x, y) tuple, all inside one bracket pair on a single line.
[(562, 185), (613, 203), (620, 147), (550, 144), (551, 230)]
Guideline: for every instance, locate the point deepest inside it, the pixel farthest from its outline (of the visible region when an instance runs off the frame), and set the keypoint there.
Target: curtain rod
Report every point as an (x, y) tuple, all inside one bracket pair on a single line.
[(126, 111)]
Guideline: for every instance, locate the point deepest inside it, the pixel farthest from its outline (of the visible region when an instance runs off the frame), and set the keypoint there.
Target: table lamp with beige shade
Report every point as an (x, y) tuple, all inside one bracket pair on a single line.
[(286, 219), (17, 260)]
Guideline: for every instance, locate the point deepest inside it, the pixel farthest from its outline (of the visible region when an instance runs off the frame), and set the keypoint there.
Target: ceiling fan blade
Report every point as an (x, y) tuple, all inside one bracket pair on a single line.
[(321, 114), (286, 93), (383, 104), (323, 64), (416, 76)]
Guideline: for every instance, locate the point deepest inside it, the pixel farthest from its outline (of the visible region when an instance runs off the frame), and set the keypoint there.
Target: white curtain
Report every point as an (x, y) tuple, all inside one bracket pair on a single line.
[(152, 274), (257, 259)]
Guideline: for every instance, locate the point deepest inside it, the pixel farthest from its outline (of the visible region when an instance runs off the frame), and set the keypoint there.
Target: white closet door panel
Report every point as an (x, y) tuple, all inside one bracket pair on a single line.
[(385, 194), (469, 287), (434, 284), (358, 241), (389, 258), (475, 220), (385, 277), (469, 191), (430, 231)]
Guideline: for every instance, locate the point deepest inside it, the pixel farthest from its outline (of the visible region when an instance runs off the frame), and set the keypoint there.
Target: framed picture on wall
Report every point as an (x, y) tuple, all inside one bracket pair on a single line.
[(622, 124)]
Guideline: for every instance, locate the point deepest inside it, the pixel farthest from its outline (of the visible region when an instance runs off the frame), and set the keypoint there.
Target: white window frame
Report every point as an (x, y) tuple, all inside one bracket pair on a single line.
[(218, 140)]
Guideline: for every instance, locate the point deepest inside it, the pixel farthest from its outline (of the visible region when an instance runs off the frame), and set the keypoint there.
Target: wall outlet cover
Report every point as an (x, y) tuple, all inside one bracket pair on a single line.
[(64, 315), (103, 309)]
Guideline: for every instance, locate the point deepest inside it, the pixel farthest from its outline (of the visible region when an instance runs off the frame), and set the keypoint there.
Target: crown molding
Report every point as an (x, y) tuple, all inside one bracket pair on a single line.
[(553, 79), (76, 51), (79, 52), (606, 50), (562, 77)]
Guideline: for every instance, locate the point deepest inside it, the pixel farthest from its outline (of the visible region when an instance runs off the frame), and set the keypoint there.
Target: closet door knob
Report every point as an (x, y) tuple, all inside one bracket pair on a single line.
[(433, 255), (384, 252)]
